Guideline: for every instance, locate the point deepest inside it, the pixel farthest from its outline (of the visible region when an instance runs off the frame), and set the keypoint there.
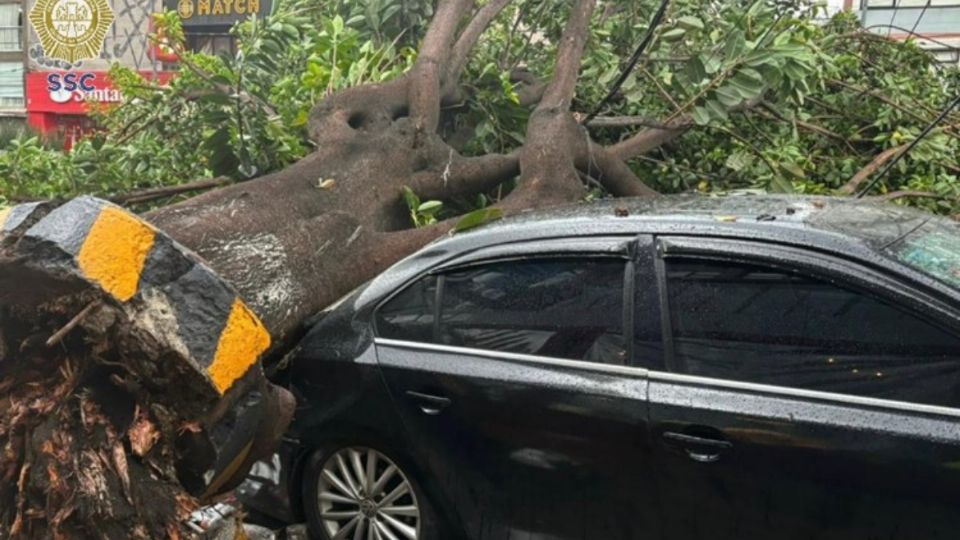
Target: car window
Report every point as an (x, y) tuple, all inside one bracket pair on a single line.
[(764, 325), (410, 314), (563, 308)]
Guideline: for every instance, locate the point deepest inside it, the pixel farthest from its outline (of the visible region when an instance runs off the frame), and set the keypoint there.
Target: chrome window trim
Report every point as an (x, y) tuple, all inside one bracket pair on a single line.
[(832, 397), (665, 377), (516, 357)]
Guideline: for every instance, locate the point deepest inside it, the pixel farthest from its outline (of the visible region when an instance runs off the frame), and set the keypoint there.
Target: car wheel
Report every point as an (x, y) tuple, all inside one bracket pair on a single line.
[(358, 491)]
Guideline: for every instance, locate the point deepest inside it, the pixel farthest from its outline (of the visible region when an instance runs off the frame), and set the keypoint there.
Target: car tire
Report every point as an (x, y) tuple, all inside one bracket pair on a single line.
[(325, 499)]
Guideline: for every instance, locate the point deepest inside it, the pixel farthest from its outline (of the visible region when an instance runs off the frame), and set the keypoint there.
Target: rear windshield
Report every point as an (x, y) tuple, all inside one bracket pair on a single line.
[(934, 248)]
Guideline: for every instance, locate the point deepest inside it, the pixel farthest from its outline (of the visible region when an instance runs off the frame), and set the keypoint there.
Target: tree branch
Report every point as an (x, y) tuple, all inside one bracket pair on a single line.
[(863, 174), (770, 111), (560, 91), (468, 39), (650, 139), (465, 176), (146, 195), (626, 121), (548, 158), (531, 88), (614, 174), (434, 53), (894, 195), (889, 101)]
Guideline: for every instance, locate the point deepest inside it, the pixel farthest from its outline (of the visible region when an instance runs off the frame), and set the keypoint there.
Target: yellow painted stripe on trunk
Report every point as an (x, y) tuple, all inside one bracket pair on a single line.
[(115, 251), (4, 213), (242, 342)]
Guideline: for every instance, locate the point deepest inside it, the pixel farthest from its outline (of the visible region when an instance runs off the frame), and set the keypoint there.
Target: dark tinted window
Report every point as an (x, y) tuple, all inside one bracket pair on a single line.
[(410, 314), (564, 308), (757, 324)]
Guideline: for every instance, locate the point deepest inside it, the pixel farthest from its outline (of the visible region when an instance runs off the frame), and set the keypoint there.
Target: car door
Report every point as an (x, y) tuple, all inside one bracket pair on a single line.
[(805, 399), (518, 395)]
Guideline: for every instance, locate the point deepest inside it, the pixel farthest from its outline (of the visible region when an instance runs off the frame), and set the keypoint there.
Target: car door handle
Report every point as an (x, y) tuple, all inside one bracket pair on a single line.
[(429, 404), (699, 449)]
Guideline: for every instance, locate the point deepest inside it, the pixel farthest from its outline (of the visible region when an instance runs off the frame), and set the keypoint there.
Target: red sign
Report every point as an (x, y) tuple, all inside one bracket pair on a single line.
[(58, 101), (69, 92)]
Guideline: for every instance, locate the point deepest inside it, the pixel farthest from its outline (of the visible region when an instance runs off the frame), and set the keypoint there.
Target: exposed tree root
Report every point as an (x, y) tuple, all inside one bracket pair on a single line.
[(85, 451)]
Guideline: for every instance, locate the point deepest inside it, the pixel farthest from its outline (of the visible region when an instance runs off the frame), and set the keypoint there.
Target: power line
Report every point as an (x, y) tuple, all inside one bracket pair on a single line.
[(912, 33), (919, 18), (926, 131), (634, 60), (893, 16)]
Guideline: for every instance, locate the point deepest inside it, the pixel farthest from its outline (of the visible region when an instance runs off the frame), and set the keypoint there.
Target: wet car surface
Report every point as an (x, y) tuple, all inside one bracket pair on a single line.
[(681, 367)]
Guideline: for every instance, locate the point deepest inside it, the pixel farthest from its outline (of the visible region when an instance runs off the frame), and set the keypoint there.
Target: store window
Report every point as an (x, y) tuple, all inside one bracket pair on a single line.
[(218, 44)]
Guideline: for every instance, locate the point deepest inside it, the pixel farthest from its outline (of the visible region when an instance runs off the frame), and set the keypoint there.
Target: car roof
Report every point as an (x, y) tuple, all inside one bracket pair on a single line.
[(842, 225), (874, 223)]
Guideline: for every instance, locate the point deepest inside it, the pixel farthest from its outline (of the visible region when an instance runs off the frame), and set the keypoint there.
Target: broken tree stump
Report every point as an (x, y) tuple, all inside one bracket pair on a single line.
[(130, 375)]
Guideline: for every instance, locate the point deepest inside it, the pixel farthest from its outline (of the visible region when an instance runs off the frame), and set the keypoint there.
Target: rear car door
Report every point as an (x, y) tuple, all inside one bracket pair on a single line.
[(514, 382), (806, 397)]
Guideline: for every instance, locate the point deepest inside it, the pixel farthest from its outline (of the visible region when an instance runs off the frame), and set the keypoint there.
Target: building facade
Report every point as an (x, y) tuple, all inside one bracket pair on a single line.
[(934, 23), (12, 58), (52, 95), (207, 23), (56, 93)]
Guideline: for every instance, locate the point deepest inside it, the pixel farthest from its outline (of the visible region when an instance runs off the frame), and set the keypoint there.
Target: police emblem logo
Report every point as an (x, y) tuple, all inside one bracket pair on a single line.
[(71, 30), (185, 9)]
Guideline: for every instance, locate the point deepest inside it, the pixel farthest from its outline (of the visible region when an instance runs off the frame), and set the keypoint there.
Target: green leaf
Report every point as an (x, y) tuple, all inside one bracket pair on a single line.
[(782, 184), (738, 161), (690, 23), (729, 96), (430, 207), (794, 71), (701, 116), (760, 58), (751, 74), (717, 110), (695, 70), (711, 63), (673, 35), (413, 202), (609, 75), (794, 170), (735, 46), (478, 218), (748, 87)]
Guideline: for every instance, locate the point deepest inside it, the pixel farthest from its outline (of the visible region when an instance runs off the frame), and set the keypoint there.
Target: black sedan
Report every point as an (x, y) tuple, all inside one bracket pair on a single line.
[(680, 368)]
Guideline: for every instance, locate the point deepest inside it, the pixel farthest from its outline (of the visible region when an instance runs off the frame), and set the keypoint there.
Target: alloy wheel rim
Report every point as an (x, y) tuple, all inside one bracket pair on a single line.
[(363, 495)]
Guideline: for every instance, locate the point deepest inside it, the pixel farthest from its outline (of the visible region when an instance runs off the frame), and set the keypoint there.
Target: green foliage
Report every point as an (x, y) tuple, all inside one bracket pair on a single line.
[(421, 212), (478, 218)]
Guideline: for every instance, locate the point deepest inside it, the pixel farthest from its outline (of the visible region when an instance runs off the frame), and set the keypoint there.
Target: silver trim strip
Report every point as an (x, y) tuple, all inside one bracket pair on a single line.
[(843, 399), (516, 357), (660, 376)]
